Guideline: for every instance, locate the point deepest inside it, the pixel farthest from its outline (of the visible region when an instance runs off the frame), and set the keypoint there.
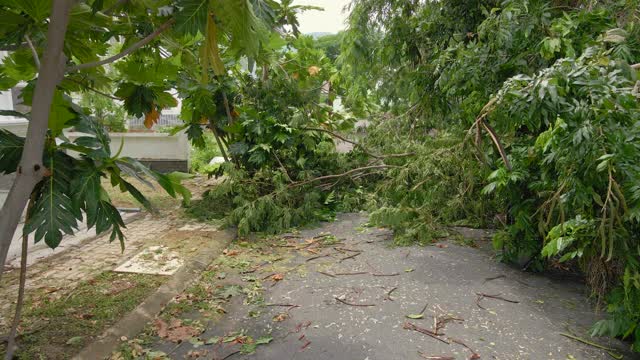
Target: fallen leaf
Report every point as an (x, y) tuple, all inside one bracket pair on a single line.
[(264, 340), (76, 340), (228, 252), (277, 277), (415, 316), (195, 354), (408, 270), (213, 340), (442, 246), (280, 317), (175, 331), (161, 328)]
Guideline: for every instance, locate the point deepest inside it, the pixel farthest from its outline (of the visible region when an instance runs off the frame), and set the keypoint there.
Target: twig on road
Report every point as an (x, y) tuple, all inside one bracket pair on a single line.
[(409, 326), (350, 257), (353, 304), (327, 274), (497, 297), (425, 356), (388, 296)]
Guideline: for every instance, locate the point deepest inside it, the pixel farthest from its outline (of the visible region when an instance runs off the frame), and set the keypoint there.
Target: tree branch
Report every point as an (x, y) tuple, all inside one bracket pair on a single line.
[(343, 174), (337, 136), (33, 51), (87, 87), (126, 52)]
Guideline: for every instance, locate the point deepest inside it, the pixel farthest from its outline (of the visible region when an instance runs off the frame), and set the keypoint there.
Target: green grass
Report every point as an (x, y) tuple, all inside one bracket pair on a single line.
[(59, 328)]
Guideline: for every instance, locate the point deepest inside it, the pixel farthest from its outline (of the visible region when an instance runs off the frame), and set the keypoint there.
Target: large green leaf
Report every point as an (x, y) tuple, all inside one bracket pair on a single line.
[(10, 151), (53, 213), (138, 99), (61, 113), (239, 21), (192, 16), (37, 10), (171, 183)]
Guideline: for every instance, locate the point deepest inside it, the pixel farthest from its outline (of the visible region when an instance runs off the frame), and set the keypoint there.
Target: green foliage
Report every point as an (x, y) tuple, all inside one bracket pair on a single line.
[(330, 44), (553, 79), (10, 151), (574, 127), (272, 146), (435, 187), (105, 110), (202, 155)]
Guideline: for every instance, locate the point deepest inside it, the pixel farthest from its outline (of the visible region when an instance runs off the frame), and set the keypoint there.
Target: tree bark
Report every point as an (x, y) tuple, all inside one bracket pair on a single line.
[(31, 171)]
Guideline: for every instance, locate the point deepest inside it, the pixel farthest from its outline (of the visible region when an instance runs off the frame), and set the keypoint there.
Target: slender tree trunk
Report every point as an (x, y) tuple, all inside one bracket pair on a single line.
[(31, 171), (11, 342), (212, 127)]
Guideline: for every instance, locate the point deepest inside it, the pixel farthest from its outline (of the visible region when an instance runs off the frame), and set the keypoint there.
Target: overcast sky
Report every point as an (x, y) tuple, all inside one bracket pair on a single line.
[(330, 20)]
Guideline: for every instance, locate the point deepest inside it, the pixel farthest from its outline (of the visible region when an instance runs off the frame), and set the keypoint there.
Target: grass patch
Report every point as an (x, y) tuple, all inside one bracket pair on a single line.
[(57, 328), (158, 198)]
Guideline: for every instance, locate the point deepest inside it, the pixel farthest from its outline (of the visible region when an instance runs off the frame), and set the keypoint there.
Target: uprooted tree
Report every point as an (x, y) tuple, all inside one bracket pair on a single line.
[(524, 116)]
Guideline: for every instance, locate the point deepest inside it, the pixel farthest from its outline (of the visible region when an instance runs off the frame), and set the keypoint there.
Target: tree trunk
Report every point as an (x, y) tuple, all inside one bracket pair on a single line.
[(31, 171), (11, 343)]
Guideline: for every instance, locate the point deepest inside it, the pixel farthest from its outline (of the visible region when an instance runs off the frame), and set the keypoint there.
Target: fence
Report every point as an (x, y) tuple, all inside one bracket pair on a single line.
[(165, 120)]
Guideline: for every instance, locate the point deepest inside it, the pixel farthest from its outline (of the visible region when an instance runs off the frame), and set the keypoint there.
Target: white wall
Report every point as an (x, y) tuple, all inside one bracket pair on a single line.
[(147, 146)]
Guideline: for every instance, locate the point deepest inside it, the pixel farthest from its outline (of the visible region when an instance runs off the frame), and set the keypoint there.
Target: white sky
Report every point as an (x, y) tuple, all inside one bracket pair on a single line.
[(330, 20)]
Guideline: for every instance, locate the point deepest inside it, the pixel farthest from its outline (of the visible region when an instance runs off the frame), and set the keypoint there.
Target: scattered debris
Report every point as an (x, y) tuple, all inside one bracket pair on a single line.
[(441, 321), (228, 252), (277, 277), (392, 274), (388, 295), (420, 315), (409, 326), (305, 345), (497, 297), (424, 356), (494, 278), (350, 257), (317, 257), (351, 273), (474, 355), (353, 304), (175, 331), (281, 317), (327, 274), (608, 350)]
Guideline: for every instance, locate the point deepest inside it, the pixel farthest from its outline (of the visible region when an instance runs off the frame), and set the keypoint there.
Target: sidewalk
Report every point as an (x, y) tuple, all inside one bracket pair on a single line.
[(76, 260)]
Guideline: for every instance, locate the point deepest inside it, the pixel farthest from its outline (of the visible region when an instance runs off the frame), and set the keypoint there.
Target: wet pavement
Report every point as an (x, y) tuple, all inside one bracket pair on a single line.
[(351, 300)]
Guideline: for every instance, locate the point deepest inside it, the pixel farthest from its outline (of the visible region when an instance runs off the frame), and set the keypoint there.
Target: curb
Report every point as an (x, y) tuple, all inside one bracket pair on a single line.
[(134, 322)]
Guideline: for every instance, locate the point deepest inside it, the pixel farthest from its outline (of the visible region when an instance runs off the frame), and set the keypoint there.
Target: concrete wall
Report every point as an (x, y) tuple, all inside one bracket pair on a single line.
[(159, 151)]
